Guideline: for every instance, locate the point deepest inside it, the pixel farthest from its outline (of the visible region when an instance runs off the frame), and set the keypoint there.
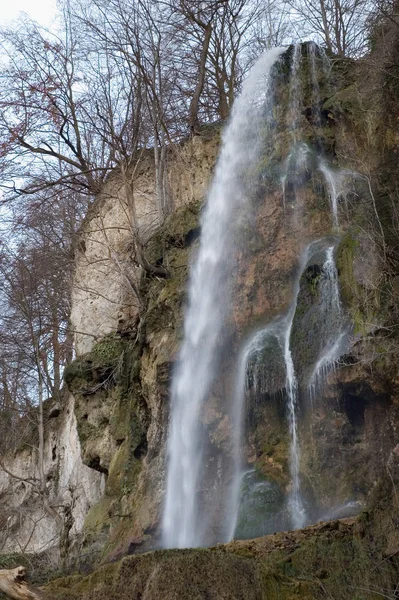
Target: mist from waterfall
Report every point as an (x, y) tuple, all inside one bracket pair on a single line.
[(183, 523)]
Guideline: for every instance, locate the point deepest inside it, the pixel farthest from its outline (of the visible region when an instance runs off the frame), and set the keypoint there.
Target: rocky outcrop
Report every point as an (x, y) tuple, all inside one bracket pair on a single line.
[(121, 390), (347, 558), (71, 487), (107, 277)]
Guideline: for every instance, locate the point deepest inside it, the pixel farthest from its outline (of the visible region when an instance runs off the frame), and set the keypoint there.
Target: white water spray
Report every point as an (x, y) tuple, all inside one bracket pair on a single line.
[(183, 525)]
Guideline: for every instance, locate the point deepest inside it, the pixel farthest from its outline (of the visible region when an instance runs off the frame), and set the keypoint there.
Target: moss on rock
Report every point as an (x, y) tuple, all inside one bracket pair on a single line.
[(340, 559), (178, 231)]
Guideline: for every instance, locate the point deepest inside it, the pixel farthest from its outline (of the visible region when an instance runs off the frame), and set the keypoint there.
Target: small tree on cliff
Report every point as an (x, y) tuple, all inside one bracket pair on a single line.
[(29, 325)]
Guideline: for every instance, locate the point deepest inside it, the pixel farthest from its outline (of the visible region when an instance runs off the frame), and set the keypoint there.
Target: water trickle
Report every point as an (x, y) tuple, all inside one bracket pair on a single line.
[(326, 64), (335, 180), (250, 350), (295, 101), (316, 100), (184, 525), (296, 506), (330, 286), (295, 162), (335, 328)]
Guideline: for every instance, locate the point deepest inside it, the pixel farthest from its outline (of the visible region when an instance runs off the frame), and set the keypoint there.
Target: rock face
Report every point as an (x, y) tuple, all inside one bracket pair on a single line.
[(103, 293), (71, 486), (121, 382), (121, 389), (347, 558), (127, 342)]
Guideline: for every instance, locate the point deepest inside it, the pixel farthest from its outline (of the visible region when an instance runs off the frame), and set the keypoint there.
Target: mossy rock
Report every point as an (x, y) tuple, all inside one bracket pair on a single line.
[(179, 230), (165, 298), (98, 516), (183, 574), (272, 444), (108, 350), (339, 559), (123, 472), (98, 366), (330, 562), (78, 374), (345, 257), (364, 308), (261, 509), (119, 422)]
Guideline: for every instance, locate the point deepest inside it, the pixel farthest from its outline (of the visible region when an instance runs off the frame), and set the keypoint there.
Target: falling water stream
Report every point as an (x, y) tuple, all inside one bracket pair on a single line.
[(295, 502), (208, 305)]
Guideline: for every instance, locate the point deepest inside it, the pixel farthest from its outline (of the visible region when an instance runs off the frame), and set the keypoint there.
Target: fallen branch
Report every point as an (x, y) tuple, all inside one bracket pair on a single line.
[(13, 584)]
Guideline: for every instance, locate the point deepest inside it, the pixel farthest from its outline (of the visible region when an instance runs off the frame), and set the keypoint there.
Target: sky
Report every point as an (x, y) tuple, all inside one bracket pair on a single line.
[(42, 11)]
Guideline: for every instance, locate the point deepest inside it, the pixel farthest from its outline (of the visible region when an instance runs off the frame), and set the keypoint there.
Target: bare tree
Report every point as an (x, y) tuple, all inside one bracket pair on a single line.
[(214, 41), (340, 25)]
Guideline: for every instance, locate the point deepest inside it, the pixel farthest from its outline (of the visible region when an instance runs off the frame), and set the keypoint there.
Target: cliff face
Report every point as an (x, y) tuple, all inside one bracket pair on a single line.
[(27, 526), (96, 439), (126, 343), (348, 427), (103, 296)]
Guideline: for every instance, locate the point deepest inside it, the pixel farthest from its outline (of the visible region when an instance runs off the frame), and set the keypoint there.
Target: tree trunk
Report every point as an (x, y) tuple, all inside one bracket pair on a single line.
[(42, 477), (223, 101), (193, 112), (56, 353), (326, 27)]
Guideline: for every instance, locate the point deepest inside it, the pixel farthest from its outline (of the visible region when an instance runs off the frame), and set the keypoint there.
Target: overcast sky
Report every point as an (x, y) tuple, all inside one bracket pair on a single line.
[(42, 11)]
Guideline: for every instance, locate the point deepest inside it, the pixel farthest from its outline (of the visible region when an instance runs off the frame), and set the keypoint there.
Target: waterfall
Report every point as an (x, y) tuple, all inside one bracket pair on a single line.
[(295, 503), (202, 501), (183, 524)]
